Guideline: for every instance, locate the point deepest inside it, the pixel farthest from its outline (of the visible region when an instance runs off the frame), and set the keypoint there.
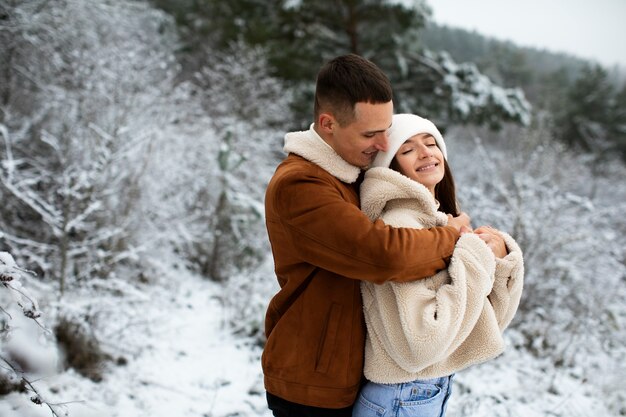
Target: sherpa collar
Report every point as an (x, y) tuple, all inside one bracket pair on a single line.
[(382, 185), (309, 145)]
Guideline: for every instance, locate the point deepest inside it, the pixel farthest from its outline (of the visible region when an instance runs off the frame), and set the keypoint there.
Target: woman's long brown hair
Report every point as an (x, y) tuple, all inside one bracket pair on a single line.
[(445, 192)]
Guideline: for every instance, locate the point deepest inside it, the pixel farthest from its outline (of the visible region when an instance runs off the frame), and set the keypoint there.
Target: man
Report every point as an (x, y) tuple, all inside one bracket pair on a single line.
[(323, 245)]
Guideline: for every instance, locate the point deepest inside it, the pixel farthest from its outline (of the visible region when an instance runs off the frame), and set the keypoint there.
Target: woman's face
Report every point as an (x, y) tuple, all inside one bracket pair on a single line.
[(421, 159)]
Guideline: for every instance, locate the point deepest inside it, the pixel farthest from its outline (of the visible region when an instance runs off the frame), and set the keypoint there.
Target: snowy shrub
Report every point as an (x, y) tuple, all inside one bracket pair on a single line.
[(222, 230), (246, 297), (80, 348), (201, 208), (248, 108), (234, 217), (563, 214), (26, 348), (101, 325)]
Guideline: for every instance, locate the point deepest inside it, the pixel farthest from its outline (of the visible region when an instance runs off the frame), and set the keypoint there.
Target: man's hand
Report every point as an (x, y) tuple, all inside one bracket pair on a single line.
[(493, 239), (460, 223)]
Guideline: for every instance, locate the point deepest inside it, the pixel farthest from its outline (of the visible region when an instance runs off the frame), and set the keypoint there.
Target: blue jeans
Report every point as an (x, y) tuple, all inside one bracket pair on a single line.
[(419, 398)]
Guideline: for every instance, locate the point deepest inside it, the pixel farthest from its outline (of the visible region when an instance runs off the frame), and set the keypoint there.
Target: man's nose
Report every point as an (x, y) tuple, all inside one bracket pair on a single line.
[(382, 143)]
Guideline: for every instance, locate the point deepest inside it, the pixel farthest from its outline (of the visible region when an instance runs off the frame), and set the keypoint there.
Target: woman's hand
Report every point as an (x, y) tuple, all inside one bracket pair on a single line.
[(460, 223), (493, 239)]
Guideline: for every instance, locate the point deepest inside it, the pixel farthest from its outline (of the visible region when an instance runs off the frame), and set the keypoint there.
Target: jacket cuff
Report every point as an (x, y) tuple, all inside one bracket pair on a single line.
[(513, 260)]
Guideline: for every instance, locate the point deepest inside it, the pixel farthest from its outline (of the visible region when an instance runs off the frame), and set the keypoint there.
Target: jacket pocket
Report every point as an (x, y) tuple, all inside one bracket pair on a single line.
[(329, 338)]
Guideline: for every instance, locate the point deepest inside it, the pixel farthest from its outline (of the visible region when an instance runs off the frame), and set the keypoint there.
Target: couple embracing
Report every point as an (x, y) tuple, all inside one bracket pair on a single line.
[(385, 289)]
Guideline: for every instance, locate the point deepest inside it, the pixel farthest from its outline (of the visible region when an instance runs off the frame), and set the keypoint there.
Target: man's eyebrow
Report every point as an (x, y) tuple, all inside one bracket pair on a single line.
[(376, 131)]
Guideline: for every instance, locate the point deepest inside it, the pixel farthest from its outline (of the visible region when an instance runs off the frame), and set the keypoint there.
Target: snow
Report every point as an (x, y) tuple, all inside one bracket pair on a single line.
[(185, 364), (145, 180), (175, 353), (189, 364), (516, 384)]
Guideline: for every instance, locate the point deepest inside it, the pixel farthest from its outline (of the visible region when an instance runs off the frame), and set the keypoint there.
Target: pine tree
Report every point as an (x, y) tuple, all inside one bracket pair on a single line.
[(585, 119), (299, 36), (617, 132)]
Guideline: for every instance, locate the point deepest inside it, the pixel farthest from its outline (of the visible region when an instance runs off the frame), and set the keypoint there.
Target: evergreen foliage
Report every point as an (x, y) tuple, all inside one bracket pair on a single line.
[(582, 100), (299, 36), (592, 114)]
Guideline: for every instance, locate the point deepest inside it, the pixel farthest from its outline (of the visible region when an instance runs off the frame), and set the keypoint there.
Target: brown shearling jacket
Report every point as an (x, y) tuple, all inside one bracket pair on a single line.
[(323, 245)]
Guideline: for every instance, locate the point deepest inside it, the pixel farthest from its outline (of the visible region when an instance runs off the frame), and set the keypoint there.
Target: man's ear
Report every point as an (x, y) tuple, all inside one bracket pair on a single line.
[(326, 122)]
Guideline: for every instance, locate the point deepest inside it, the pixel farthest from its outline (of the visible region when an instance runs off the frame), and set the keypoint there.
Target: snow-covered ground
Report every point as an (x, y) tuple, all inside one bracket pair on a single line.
[(183, 361), (517, 384)]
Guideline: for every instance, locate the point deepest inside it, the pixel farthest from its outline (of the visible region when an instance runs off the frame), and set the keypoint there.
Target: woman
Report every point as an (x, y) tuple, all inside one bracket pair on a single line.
[(421, 333)]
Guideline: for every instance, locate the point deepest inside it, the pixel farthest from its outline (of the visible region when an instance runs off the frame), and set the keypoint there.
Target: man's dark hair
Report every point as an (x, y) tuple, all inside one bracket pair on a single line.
[(347, 80)]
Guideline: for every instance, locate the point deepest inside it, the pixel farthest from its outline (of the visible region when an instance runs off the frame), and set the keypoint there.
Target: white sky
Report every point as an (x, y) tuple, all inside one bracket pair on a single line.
[(591, 29)]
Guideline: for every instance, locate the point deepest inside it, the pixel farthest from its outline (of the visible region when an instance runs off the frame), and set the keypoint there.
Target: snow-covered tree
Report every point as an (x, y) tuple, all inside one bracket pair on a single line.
[(81, 108), (433, 85), (244, 105), (300, 35)]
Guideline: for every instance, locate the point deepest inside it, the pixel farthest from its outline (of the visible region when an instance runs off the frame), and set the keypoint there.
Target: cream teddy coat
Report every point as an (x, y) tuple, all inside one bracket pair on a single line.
[(439, 325)]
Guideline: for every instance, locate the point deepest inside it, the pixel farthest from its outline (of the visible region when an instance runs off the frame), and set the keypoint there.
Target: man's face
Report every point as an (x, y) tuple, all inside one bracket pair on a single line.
[(359, 141)]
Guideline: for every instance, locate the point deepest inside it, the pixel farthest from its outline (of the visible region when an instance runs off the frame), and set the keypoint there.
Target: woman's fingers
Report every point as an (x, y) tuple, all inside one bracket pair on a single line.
[(493, 239)]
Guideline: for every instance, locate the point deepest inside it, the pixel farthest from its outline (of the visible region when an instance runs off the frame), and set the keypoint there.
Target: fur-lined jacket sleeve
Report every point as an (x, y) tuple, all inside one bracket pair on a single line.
[(508, 284), (422, 323)]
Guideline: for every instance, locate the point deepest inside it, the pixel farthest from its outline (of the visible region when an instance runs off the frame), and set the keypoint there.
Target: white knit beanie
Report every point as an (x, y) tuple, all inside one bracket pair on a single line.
[(403, 127)]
